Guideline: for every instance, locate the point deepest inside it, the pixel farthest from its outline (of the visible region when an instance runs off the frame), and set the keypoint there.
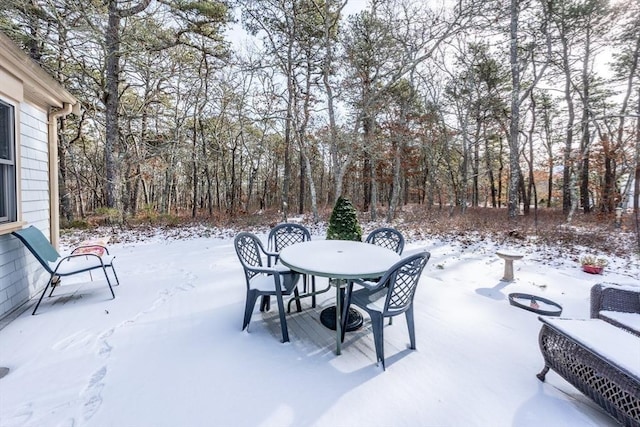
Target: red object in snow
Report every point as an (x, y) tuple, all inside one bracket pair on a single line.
[(592, 269)]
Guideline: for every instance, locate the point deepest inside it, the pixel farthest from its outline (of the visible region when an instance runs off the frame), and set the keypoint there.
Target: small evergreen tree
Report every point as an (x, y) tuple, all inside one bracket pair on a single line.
[(343, 223)]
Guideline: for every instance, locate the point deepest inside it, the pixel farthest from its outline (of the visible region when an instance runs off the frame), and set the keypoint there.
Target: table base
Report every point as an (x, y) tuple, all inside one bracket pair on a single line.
[(328, 319)]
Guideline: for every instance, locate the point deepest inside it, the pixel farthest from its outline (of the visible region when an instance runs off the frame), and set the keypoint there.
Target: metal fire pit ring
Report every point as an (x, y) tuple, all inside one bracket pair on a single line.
[(531, 299)]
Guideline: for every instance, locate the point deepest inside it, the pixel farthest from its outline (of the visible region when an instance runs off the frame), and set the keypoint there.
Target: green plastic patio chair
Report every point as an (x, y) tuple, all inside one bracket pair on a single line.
[(389, 238), (60, 266), (287, 234), (391, 296), (263, 279)]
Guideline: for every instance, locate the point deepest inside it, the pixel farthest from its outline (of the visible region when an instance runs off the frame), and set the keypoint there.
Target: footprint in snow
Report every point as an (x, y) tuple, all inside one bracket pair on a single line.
[(92, 395), (20, 417), (104, 348), (79, 339)]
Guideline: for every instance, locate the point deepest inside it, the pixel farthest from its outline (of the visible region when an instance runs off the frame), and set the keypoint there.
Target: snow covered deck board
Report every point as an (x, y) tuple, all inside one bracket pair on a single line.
[(305, 330)]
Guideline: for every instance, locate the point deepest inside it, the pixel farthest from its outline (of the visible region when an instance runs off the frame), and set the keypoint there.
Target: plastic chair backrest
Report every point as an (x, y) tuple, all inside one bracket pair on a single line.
[(402, 280), (389, 238), (38, 245), (286, 234), (249, 248)]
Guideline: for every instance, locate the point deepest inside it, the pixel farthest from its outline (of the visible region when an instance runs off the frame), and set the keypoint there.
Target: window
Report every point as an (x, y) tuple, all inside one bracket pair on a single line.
[(8, 196)]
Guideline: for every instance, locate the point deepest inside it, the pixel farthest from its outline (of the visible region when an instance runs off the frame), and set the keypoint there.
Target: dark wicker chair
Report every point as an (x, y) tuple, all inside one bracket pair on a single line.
[(587, 364), (391, 296), (586, 367), (287, 234), (606, 299), (264, 280)]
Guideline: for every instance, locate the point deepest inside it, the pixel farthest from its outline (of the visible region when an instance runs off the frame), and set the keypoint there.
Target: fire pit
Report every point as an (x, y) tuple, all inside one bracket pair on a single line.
[(536, 304)]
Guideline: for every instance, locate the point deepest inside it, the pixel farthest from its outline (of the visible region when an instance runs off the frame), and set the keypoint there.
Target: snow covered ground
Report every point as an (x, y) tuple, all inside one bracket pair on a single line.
[(168, 350)]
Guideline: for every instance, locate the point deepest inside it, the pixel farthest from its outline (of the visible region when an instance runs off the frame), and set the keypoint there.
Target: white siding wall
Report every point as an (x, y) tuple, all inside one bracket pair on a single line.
[(20, 274), (13, 281), (34, 167)]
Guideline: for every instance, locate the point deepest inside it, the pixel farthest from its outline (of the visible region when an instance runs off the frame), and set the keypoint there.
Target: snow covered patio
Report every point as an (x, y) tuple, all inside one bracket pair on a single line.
[(169, 350)]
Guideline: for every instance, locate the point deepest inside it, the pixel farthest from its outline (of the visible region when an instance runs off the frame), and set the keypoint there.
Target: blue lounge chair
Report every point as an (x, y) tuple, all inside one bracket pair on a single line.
[(60, 266)]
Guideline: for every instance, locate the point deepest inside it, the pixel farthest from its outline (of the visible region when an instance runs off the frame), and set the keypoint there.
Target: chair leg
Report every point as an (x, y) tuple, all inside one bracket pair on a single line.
[(296, 294), (55, 281), (378, 336), (541, 376), (345, 308), (44, 291), (252, 297), (115, 275), (296, 298), (411, 326), (265, 303), (108, 281), (283, 319)]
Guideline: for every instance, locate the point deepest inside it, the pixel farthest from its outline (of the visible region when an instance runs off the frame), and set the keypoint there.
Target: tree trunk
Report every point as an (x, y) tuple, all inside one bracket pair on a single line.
[(301, 183), (475, 195), (397, 170), (608, 202), (370, 196), (194, 166), (514, 169), (636, 187), (585, 140), (567, 190), (111, 95), (461, 200), (550, 184), (112, 98)]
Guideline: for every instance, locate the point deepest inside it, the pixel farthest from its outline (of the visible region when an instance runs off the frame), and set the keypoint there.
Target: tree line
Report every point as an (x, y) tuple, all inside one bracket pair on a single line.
[(520, 104)]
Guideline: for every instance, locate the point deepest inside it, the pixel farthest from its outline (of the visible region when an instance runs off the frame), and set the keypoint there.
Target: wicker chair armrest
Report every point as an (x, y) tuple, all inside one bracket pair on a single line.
[(610, 297)]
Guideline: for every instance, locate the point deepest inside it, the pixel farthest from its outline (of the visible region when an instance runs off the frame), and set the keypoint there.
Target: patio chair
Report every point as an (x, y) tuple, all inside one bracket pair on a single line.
[(391, 296), (287, 234), (389, 238), (60, 266), (386, 237), (264, 281)]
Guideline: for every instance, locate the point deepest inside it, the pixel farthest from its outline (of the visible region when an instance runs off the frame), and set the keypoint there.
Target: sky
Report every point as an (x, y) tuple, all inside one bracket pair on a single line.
[(169, 349)]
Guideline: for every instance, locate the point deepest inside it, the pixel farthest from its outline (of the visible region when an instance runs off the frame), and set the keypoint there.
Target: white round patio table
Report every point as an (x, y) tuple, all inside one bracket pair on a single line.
[(339, 259)]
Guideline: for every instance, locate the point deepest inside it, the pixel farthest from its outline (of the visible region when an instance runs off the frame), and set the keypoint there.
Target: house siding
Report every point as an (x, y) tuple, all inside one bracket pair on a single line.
[(20, 274)]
